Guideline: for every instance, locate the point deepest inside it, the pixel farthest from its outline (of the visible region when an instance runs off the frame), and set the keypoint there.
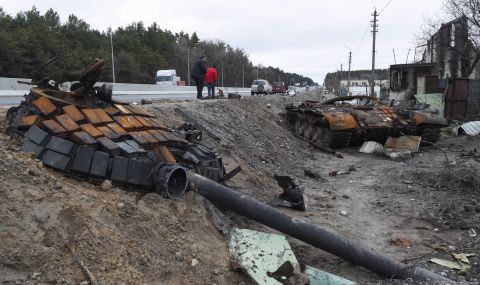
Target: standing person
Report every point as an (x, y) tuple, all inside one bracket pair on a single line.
[(197, 72), (211, 77)]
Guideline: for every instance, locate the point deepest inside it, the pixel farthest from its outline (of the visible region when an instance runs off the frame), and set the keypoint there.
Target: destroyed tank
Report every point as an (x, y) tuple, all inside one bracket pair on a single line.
[(337, 124), (86, 133)]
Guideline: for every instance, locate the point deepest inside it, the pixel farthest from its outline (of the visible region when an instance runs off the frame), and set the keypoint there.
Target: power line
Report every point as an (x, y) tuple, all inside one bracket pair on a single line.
[(381, 11), (363, 38)]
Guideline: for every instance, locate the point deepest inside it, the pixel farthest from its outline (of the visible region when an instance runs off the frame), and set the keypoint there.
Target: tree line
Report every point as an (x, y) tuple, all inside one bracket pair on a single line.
[(139, 51)]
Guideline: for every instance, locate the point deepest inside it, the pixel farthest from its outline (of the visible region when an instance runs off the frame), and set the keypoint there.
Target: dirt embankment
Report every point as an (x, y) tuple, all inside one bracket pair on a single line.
[(136, 238)]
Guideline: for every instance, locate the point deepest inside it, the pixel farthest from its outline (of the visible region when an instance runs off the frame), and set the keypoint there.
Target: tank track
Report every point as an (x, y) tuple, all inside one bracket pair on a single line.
[(320, 135), (430, 134)]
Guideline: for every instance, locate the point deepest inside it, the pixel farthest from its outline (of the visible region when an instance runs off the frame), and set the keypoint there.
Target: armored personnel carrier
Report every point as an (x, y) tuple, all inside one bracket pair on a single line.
[(87, 133), (337, 124)]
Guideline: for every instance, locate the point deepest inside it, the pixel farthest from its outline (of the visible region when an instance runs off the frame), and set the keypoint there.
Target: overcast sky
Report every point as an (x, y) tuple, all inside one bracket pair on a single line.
[(308, 37)]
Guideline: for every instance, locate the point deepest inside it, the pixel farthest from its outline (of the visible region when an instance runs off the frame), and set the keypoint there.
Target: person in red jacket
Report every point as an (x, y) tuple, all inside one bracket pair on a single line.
[(211, 77)]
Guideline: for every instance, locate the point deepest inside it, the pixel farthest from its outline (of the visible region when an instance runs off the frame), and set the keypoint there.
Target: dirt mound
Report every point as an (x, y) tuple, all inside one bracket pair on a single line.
[(129, 237)]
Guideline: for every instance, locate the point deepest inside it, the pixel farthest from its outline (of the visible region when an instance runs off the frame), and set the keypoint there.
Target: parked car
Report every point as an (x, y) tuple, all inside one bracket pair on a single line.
[(261, 86), (292, 91), (278, 87)]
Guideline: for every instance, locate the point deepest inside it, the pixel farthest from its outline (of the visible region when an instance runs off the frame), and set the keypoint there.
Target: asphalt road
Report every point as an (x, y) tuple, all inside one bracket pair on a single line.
[(12, 100)]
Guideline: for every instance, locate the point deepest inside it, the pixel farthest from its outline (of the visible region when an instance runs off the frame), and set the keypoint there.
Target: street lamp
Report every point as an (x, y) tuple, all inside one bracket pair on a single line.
[(113, 61), (349, 64)]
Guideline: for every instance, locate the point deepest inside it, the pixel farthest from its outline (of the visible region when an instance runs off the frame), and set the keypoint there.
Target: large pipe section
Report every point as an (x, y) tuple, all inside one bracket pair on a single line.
[(246, 206)]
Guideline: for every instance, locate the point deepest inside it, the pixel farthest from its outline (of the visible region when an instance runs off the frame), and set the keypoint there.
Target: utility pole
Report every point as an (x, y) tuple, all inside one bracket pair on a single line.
[(394, 58), (341, 74), (222, 73), (243, 76), (113, 61), (188, 65), (349, 65), (374, 31)]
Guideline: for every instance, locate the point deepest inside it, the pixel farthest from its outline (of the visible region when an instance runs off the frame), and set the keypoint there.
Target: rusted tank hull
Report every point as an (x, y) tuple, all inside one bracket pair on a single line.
[(339, 126)]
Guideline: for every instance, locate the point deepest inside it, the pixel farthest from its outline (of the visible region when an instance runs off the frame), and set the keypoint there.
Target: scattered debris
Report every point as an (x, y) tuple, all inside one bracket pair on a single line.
[(196, 124), (404, 242), (343, 213), (268, 259), (313, 174), (470, 128), (335, 173), (106, 185), (232, 173), (372, 147), (394, 154), (461, 262), (194, 262), (472, 233), (287, 274), (145, 101), (292, 196), (234, 96), (403, 143)]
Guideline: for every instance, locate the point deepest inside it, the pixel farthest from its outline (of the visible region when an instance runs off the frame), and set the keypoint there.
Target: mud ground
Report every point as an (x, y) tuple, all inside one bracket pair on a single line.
[(132, 237)]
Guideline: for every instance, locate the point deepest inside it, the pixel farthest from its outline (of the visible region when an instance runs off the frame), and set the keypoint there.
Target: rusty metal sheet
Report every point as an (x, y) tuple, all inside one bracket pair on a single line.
[(164, 154), (124, 122), (28, 121), (91, 130), (52, 127), (156, 123), (112, 111), (158, 135), (106, 131), (67, 123), (411, 143), (117, 129), (144, 122), (45, 106), (133, 121), (92, 116), (122, 109), (74, 113), (103, 116), (139, 111), (83, 138), (144, 138)]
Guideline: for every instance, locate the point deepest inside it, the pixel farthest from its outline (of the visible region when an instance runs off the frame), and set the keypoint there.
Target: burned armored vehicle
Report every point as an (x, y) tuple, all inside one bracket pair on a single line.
[(87, 133), (337, 124)]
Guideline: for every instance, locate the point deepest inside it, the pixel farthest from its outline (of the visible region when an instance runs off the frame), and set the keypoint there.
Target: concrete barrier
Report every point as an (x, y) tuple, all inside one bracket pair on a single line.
[(11, 92)]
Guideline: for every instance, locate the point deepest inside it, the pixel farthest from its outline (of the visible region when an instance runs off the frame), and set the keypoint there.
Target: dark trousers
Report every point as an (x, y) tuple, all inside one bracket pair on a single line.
[(211, 89), (199, 84)]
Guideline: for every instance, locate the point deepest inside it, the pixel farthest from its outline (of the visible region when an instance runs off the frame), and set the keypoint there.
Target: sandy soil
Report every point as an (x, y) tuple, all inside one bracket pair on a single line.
[(127, 237)]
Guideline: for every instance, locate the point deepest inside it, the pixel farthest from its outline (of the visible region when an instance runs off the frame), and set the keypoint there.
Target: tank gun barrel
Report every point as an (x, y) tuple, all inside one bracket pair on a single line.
[(314, 235)]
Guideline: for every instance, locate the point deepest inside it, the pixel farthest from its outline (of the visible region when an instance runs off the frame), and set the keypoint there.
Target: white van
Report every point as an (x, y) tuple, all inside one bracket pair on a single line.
[(167, 77)]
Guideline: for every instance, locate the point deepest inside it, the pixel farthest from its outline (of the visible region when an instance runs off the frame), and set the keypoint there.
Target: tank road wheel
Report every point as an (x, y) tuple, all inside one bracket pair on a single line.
[(299, 127), (429, 134), (340, 139), (308, 133), (335, 139)]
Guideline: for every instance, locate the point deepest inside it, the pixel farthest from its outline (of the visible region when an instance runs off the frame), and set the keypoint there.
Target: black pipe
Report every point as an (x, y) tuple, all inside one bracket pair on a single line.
[(321, 238)]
